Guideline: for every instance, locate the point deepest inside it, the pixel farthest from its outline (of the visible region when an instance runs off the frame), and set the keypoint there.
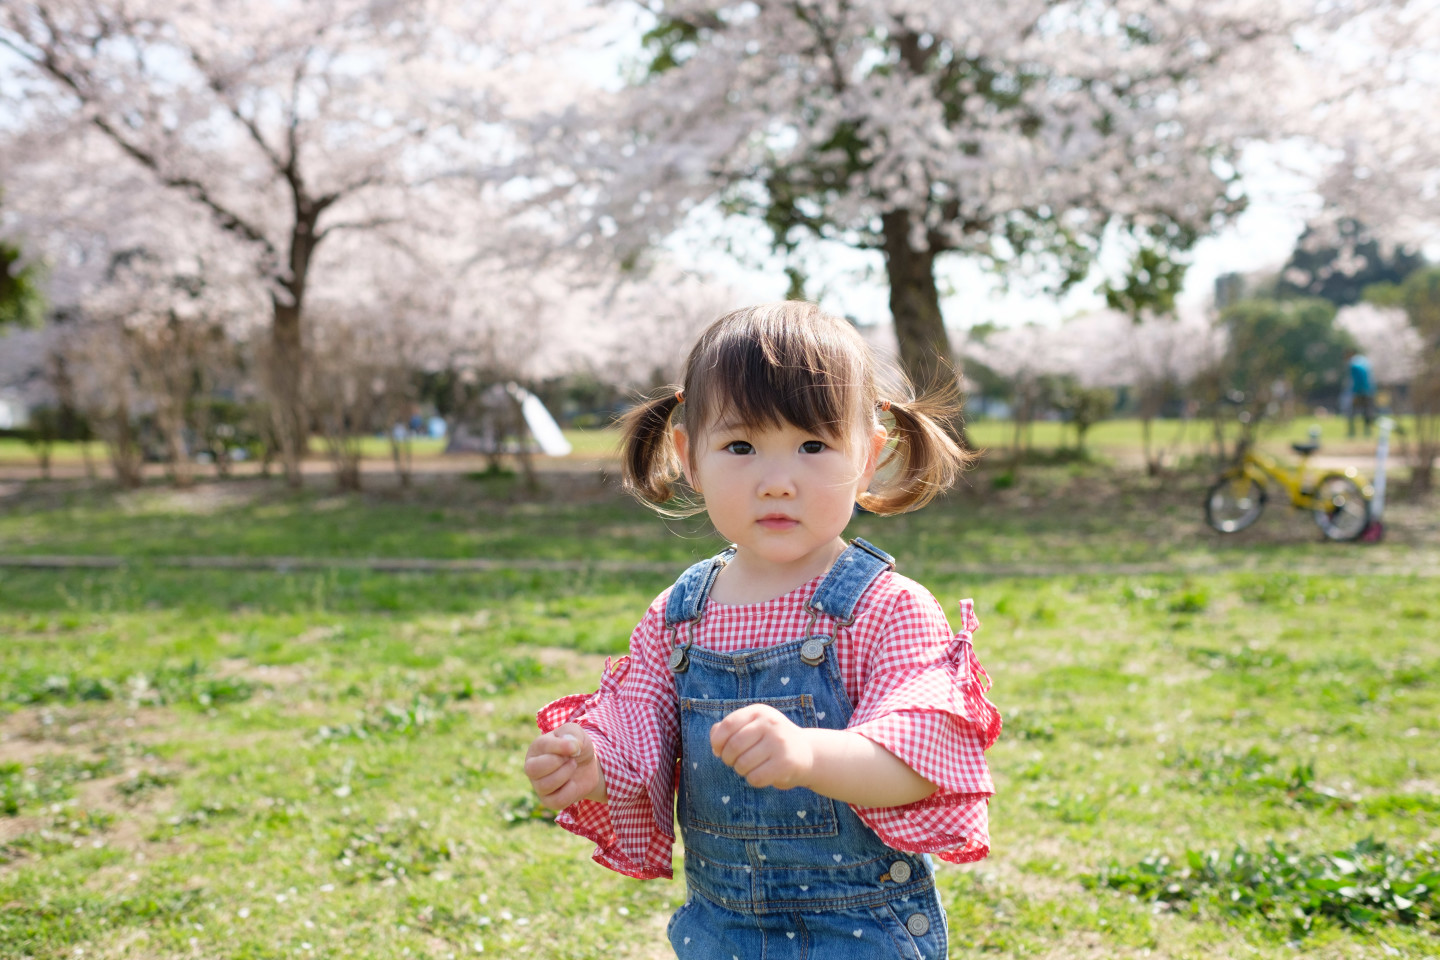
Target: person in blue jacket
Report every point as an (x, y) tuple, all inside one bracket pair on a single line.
[(1361, 390)]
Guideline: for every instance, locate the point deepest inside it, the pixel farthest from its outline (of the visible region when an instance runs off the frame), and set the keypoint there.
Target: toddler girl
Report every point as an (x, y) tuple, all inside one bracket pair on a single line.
[(822, 724)]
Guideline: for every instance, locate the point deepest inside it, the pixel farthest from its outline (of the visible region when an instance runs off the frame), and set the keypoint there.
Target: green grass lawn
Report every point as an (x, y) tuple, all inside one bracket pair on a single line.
[(1120, 437), (586, 443), (324, 763)]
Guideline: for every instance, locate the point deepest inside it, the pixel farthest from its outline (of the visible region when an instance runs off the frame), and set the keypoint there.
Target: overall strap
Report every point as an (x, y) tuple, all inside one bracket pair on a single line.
[(840, 592), (687, 598)]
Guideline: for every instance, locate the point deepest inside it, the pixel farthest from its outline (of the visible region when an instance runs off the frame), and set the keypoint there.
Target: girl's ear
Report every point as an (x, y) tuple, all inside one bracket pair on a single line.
[(874, 446), (682, 449)]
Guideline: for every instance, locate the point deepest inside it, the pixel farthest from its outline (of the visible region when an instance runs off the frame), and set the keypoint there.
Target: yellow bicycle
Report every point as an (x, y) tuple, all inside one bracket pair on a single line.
[(1336, 501)]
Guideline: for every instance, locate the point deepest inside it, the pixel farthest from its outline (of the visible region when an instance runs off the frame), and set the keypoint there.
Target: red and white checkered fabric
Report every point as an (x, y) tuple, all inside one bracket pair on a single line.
[(918, 688)]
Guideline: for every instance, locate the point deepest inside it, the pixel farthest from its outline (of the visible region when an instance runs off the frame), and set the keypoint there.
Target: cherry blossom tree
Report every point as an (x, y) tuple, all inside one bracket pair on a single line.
[(1384, 334), (147, 301), (1029, 358), (1376, 115), (284, 124), (1159, 359), (1015, 133)]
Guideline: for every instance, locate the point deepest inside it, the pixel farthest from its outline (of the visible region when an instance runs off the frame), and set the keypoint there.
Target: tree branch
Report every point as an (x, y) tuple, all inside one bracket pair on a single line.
[(228, 219), (49, 61), (370, 224), (219, 89)]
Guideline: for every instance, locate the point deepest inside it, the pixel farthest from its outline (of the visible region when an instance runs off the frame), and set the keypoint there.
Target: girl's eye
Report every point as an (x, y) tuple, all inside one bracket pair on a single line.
[(740, 447), (813, 446)]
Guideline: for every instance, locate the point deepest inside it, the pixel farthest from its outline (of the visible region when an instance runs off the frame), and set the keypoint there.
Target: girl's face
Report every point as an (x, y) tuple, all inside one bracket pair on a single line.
[(782, 494)]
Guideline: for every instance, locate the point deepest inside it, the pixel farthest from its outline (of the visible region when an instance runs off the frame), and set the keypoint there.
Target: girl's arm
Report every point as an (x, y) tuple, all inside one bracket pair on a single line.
[(765, 748)]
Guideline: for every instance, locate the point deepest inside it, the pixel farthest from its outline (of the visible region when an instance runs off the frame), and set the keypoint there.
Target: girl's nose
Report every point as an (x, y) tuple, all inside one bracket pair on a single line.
[(777, 483)]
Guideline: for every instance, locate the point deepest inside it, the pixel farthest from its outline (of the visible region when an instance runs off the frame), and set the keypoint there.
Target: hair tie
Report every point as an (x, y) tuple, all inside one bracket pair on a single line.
[(884, 406), (679, 396)]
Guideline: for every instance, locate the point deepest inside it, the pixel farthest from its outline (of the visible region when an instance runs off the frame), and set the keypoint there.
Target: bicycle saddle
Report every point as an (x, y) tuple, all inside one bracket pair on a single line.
[(1305, 449)]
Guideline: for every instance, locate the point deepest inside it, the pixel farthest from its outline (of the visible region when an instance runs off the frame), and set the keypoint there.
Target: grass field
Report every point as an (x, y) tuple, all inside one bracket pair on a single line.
[(249, 764), (1121, 437)]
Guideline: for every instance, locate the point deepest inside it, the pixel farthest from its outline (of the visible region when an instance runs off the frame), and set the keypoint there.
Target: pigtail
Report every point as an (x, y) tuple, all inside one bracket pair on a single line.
[(926, 457), (648, 457)]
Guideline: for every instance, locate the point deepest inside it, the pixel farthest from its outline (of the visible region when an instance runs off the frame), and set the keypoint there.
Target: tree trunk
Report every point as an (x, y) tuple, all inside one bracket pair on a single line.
[(286, 406), (125, 455), (182, 469), (925, 353), (402, 454), (287, 362), (915, 307), (1425, 404), (1152, 462)]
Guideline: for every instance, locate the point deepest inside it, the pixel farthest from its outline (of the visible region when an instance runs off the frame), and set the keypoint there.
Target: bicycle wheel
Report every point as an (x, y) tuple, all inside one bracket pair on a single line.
[(1341, 510), (1234, 503)]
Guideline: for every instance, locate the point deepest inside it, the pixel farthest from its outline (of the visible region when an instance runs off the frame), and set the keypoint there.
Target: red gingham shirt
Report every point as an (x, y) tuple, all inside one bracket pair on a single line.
[(919, 692)]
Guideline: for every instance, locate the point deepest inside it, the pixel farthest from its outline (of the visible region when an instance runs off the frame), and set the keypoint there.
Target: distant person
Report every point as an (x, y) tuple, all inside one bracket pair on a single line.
[(1361, 389), (811, 693)]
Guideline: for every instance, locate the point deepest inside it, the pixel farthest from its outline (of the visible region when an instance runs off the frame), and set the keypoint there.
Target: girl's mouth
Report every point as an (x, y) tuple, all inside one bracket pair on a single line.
[(778, 522)]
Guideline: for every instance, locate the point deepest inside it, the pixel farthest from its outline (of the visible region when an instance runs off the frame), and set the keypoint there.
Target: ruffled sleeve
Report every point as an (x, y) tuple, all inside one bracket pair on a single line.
[(924, 700), (635, 726)]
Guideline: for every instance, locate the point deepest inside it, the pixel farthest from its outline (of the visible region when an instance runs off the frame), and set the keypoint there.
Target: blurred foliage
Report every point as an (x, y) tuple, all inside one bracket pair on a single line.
[(1283, 350), (1150, 285), (1341, 273), (1084, 407), (21, 303), (1420, 296)]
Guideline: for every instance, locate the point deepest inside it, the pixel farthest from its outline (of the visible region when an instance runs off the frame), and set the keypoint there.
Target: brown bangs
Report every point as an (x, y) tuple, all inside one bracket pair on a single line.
[(779, 363)]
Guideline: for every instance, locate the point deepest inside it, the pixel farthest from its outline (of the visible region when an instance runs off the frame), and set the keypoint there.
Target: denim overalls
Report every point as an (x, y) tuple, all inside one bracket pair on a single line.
[(784, 873)]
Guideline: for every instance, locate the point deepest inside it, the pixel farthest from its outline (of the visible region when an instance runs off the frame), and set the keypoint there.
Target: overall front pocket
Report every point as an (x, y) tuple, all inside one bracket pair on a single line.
[(719, 801)]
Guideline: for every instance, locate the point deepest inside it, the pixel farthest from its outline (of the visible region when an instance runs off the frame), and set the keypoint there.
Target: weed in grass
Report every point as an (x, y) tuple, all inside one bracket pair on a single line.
[(391, 720), (142, 782), (1367, 885), (46, 781), (1190, 601), (1028, 725), (1238, 659), (164, 686), (512, 674), (51, 923), (1073, 807), (199, 816), (396, 850), (65, 829), (526, 808), (1257, 774)]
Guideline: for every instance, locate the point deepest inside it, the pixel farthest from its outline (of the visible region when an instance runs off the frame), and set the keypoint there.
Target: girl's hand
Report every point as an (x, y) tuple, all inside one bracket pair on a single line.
[(562, 767), (763, 746)]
